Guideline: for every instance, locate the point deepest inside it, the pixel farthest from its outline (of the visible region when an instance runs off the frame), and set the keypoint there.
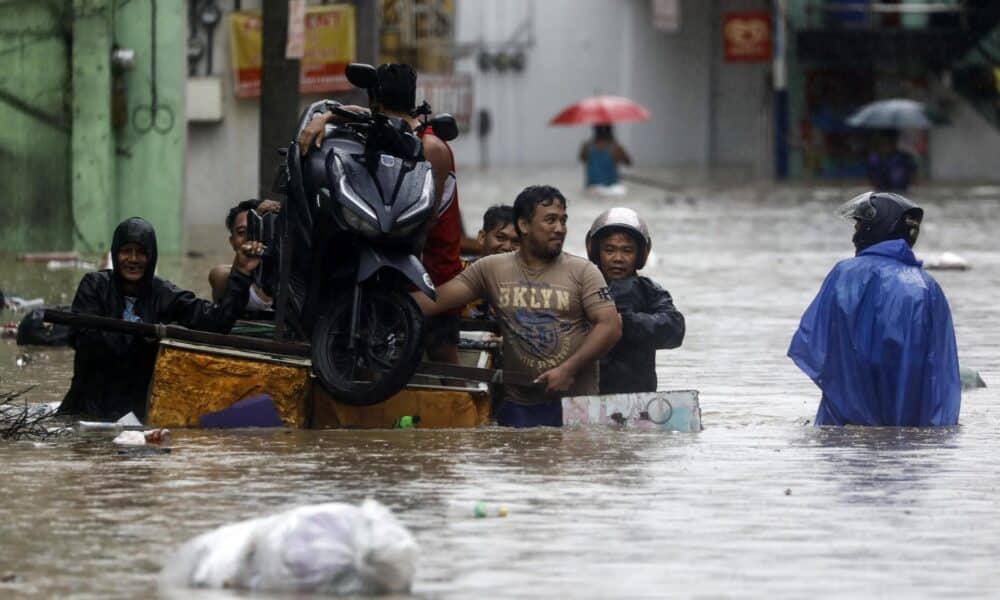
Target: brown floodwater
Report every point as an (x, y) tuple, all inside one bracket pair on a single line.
[(759, 503)]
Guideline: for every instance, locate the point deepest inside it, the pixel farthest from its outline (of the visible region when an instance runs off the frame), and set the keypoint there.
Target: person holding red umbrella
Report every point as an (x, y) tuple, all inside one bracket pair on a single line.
[(603, 153), (601, 157)]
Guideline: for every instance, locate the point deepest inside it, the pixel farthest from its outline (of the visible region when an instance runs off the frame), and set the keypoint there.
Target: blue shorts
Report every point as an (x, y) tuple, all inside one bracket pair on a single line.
[(511, 414)]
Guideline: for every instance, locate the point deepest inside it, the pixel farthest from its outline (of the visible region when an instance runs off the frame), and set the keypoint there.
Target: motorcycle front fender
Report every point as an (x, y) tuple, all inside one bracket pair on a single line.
[(371, 261)]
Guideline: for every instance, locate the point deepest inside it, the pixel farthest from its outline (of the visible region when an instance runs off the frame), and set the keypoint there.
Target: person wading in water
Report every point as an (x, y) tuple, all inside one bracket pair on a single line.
[(555, 311), (111, 371)]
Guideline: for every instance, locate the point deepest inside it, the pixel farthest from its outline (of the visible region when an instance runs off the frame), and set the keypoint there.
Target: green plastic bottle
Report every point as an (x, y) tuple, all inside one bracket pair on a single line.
[(406, 422)]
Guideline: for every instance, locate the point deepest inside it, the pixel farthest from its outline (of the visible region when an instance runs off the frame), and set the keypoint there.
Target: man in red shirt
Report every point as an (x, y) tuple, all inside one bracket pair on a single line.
[(396, 97)]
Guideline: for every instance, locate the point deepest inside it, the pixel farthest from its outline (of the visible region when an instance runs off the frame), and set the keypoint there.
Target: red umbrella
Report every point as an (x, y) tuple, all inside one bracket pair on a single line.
[(600, 110)]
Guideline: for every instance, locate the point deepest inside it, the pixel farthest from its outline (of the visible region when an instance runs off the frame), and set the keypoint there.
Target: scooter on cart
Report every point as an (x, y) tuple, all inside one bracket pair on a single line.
[(343, 252)]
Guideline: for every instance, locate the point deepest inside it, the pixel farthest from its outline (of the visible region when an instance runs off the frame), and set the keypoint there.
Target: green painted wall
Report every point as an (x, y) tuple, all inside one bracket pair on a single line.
[(150, 162), (34, 138), (92, 145), (67, 175)]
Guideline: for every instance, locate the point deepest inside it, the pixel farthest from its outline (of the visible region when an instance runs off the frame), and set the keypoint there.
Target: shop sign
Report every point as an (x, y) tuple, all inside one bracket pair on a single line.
[(328, 47), (746, 36)]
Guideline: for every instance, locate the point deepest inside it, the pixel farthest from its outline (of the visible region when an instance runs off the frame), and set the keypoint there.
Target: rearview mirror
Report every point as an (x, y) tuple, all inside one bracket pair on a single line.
[(362, 75), (444, 127)]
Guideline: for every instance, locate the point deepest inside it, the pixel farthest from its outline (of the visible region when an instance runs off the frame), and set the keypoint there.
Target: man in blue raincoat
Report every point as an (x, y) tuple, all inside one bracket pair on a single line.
[(878, 338)]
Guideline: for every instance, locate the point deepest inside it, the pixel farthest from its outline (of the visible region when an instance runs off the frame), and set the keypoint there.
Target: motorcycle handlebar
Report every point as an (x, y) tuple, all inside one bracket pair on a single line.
[(349, 114)]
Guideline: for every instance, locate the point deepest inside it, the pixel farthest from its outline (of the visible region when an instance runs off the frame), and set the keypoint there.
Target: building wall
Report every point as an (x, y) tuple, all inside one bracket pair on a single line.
[(221, 160), (34, 150), (582, 47), (149, 161), (966, 149), (585, 47), (66, 175)]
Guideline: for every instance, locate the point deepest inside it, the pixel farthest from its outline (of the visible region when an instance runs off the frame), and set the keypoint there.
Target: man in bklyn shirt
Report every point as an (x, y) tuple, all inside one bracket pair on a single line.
[(555, 312), (111, 371)]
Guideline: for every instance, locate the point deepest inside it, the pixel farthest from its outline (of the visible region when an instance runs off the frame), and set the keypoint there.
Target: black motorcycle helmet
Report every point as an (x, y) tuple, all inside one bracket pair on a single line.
[(882, 216)]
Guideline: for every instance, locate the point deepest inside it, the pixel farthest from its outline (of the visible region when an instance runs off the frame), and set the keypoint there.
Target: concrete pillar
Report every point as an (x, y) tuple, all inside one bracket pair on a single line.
[(366, 34), (92, 147), (279, 93)]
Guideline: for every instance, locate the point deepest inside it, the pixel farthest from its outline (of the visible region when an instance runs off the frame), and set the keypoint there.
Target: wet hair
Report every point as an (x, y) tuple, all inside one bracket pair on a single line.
[(498, 216), (249, 204), (532, 196), (397, 87)]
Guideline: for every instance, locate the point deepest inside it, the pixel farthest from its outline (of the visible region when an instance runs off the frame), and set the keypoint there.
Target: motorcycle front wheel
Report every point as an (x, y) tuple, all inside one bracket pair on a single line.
[(386, 352)]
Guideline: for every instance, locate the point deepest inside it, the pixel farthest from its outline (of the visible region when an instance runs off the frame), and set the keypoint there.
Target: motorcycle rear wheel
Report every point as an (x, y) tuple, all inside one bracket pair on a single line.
[(389, 346)]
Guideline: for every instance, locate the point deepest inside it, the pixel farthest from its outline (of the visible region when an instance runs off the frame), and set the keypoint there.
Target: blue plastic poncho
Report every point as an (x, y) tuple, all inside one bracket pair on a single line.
[(878, 341)]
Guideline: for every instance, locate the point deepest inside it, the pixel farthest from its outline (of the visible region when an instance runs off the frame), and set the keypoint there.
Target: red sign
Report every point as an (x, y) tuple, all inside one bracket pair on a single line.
[(746, 36), (327, 46)]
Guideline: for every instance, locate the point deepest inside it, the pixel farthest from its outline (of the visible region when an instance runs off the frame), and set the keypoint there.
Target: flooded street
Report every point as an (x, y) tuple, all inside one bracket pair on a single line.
[(759, 503)]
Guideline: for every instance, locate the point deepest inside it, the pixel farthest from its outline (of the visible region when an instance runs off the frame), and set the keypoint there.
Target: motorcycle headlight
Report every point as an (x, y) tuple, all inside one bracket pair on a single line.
[(426, 194), (348, 192), (357, 222)]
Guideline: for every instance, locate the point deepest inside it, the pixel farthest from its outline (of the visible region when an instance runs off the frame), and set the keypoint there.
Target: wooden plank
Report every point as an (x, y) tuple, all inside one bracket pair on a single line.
[(494, 376), (160, 331), (176, 332)]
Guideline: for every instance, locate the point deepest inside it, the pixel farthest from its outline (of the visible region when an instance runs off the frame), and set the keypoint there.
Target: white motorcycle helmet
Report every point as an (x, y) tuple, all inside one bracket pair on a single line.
[(624, 220)]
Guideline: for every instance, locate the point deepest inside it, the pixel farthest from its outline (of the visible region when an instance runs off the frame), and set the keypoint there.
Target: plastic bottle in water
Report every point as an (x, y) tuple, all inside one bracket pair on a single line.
[(476, 510), (406, 422)]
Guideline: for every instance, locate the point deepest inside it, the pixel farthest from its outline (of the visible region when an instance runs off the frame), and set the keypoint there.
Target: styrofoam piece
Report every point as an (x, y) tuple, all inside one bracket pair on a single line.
[(947, 262), (971, 379), (130, 438), (674, 410), (129, 420)]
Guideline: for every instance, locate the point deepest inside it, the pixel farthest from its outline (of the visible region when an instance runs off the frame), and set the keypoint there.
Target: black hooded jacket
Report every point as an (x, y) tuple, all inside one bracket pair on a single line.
[(111, 371), (649, 322)]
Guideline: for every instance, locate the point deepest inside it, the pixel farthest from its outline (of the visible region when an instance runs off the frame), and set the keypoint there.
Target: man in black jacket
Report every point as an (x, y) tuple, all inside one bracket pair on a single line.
[(111, 371), (618, 242)]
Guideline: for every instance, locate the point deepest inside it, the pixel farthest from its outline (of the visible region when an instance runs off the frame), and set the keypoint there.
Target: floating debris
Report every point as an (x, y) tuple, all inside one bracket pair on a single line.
[(481, 510), (19, 304), (333, 549), (20, 420), (971, 379), (947, 262)]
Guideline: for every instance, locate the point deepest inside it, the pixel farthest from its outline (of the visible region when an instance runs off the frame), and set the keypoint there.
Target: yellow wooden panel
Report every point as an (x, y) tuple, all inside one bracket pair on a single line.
[(188, 384), (437, 409)]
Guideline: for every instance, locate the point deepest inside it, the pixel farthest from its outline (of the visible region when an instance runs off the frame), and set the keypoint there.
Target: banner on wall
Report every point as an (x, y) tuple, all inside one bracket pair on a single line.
[(329, 46), (746, 36), (295, 46)]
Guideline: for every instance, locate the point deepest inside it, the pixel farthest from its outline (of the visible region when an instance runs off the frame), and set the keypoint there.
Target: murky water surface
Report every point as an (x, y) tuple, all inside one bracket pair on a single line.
[(759, 503)]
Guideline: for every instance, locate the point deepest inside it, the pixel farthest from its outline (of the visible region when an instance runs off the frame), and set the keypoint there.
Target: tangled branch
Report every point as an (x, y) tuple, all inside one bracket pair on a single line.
[(20, 421)]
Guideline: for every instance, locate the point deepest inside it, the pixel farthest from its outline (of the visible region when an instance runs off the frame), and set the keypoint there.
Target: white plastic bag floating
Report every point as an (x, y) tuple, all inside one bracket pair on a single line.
[(330, 548)]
